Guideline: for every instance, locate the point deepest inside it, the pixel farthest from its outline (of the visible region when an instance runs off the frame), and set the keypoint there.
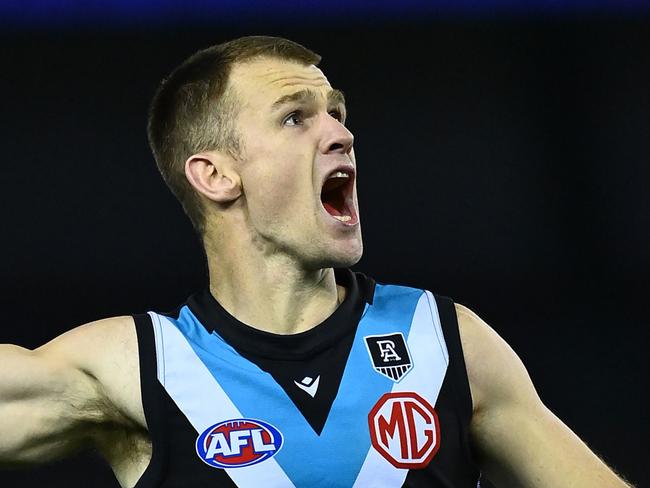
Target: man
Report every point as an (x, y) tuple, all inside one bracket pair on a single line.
[(283, 372)]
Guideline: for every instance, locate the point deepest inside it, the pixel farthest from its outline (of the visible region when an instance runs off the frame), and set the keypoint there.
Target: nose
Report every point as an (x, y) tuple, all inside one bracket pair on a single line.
[(337, 139)]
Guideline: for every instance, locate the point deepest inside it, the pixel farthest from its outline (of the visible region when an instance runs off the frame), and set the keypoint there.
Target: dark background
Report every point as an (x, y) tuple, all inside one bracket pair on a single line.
[(503, 161)]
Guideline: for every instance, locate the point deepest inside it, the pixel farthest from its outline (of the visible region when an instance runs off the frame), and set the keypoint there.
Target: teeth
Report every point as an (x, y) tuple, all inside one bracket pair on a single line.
[(342, 218), (339, 174)]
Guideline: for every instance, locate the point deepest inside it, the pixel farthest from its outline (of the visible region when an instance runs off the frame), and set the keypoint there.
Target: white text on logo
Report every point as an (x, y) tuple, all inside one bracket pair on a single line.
[(387, 351), (219, 444)]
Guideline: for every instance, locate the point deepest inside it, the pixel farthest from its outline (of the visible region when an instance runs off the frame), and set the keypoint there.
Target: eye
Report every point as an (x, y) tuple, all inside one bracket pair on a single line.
[(337, 114), (293, 119)]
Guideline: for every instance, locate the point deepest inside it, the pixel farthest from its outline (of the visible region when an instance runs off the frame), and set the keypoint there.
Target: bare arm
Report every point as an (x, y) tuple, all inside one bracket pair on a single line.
[(53, 400), (521, 443)]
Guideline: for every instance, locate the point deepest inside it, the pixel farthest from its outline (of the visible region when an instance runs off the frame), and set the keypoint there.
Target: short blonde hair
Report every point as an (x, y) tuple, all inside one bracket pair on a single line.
[(192, 111)]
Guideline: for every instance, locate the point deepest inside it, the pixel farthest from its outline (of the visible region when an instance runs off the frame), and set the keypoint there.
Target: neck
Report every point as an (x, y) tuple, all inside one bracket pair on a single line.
[(272, 293)]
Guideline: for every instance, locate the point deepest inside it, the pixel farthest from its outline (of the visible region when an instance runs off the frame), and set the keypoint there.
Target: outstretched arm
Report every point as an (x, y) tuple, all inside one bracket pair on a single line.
[(52, 399), (520, 442)]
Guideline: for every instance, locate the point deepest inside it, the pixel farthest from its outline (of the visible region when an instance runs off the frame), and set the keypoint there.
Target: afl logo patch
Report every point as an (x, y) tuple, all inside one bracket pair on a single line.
[(404, 429), (389, 355), (237, 443)]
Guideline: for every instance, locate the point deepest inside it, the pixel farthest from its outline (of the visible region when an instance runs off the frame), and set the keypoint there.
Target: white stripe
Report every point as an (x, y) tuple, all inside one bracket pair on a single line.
[(160, 350), (435, 315), (429, 368), (429, 362), (203, 401), (379, 473)]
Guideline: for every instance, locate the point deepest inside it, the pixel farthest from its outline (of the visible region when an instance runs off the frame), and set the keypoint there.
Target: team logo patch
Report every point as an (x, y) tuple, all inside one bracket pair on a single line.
[(404, 429), (238, 443), (389, 355)]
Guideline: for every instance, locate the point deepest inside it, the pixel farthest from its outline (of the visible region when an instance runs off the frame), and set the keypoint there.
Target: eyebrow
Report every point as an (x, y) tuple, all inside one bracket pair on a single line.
[(335, 97)]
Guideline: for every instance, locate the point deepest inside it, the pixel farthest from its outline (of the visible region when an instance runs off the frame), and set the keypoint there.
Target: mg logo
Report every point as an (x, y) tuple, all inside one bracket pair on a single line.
[(404, 429)]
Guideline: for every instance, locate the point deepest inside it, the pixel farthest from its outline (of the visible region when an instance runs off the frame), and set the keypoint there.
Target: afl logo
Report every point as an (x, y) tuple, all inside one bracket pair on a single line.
[(404, 429), (238, 443)]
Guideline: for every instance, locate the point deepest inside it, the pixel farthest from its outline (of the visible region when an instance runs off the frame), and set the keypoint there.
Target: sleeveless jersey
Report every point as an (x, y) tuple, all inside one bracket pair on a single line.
[(375, 396)]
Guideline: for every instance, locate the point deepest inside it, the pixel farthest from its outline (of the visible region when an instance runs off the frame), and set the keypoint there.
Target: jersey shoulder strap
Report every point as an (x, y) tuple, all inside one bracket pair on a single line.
[(153, 401), (457, 368)]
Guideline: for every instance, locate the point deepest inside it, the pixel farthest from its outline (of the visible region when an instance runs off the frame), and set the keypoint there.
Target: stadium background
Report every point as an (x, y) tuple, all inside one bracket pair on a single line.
[(503, 152)]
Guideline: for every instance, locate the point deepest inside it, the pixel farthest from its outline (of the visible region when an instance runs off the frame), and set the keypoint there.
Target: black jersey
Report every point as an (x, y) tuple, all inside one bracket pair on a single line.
[(375, 396)]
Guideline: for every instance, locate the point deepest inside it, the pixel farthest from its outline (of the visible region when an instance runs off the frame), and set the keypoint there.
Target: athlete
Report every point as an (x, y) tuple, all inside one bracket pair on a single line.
[(283, 372)]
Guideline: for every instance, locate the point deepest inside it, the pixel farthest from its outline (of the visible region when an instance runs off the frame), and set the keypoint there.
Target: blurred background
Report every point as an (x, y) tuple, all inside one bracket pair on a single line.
[(503, 151)]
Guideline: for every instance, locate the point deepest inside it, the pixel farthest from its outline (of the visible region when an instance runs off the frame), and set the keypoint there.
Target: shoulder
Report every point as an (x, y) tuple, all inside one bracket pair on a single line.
[(105, 352), (518, 440), (495, 372), (93, 347)]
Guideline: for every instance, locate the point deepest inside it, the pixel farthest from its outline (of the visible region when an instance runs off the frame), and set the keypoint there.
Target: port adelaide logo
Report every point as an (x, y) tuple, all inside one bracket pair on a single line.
[(389, 355), (238, 443)]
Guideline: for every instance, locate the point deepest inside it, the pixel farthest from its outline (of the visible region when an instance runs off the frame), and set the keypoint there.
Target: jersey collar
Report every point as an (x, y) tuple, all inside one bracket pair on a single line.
[(360, 290)]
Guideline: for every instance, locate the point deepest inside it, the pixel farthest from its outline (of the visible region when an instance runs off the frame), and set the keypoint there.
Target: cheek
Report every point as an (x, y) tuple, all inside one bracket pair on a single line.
[(280, 186)]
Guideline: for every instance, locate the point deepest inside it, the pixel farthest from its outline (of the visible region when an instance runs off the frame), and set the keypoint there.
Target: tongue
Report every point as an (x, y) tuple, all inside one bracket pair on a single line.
[(331, 209), (333, 198)]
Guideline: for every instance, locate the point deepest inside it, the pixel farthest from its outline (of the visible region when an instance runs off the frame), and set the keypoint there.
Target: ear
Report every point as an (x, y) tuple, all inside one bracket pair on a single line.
[(212, 175)]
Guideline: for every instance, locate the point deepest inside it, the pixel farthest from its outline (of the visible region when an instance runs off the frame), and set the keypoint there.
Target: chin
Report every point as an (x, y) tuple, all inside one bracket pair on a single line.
[(343, 257)]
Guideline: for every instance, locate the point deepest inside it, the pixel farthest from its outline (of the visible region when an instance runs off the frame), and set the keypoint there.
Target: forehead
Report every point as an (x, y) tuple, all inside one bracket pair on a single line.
[(262, 81)]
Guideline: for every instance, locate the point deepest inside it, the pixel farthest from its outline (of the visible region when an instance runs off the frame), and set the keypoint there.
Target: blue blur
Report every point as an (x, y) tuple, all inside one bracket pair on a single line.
[(57, 12)]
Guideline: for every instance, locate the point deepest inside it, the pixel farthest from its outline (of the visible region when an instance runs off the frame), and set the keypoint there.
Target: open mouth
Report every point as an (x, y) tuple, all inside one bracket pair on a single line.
[(336, 196)]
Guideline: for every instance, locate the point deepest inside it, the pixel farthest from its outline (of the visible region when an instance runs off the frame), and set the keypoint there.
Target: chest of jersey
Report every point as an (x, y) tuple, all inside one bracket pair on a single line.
[(384, 421)]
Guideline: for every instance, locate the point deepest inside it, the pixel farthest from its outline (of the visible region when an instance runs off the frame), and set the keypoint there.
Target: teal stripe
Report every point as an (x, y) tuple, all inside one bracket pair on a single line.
[(335, 457)]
